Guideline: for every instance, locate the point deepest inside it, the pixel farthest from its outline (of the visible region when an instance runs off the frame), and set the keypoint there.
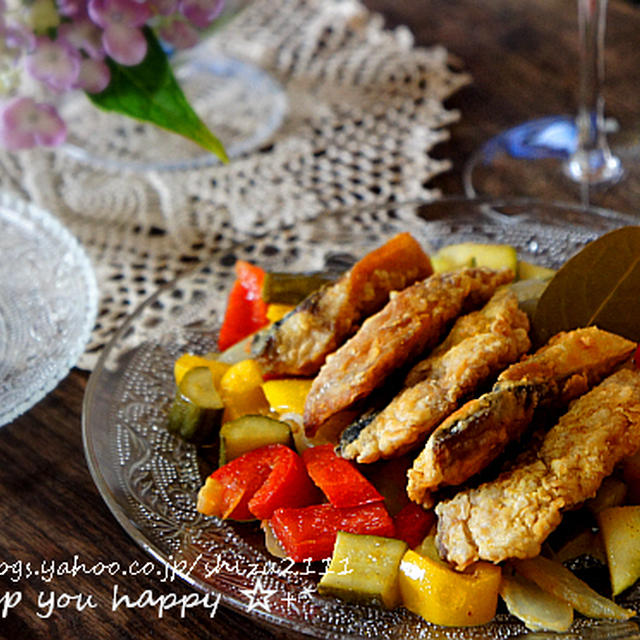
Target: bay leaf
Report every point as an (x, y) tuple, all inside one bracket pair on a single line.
[(599, 286), (150, 92)]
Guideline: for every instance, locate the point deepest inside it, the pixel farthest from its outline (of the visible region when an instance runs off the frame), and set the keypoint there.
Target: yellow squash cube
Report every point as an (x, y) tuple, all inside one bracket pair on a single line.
[(287, 395), (241, 390), (443, 596), (190, 361)]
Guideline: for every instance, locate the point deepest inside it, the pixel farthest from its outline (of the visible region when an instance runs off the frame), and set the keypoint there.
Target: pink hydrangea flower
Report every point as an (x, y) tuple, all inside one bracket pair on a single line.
[(83, 35), (25, 123), (179, 34), (94, 76), (121, 20), (163, 7), (17, 38), (55, 64), (201, 12), (72, 8)]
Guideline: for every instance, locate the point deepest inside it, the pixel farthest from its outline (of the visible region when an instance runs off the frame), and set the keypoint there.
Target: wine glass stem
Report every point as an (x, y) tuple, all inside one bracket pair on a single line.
[(592, 161)]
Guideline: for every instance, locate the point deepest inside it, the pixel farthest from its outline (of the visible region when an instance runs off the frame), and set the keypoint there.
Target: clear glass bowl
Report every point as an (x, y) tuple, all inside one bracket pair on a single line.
[(149, 479), (48, 304)]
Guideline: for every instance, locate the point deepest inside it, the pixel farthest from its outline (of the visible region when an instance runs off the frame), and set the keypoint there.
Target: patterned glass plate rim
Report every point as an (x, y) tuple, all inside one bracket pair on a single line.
[(149, 480), (48, 304)]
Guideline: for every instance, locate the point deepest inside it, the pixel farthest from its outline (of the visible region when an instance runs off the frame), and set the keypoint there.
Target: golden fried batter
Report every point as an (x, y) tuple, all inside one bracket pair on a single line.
[(511, 516), (474, 435), (299, 343), (412, 321), (480, 345)]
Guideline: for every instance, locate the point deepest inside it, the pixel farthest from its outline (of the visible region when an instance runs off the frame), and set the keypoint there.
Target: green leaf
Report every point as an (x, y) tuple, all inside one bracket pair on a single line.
[(149, 92), (599, 286)]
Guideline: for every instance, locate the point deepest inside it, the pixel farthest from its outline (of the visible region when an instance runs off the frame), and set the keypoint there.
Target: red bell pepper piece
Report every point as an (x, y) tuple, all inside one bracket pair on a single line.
[(636, 357), (256, 483), (309, 533), (246, 311), (413, 523), (338, 478)]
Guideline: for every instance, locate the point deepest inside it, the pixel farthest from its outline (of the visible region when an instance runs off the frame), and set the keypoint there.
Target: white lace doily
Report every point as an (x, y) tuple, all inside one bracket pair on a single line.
[(365, 108)]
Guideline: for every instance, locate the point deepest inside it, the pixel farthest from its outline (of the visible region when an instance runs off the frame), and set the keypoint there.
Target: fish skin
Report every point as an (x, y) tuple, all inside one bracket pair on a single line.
[(477, 348), (413, 321), (474, 435), (511, 516), (298, 344)]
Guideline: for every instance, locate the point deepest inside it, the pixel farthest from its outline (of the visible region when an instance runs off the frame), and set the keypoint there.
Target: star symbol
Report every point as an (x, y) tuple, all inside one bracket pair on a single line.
[(307, 592), (258, 597)]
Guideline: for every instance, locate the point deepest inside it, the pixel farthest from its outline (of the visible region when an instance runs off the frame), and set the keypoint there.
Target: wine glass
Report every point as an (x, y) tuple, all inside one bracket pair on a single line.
[(563, 157)]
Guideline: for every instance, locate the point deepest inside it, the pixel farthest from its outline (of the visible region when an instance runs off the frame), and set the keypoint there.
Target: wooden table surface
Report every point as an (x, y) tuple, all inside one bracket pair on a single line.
[(522, 56)]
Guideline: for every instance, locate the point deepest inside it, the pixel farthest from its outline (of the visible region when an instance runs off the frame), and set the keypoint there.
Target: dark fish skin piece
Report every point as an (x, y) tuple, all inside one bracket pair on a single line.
[(413, 321), (473, 436), (299, 343)]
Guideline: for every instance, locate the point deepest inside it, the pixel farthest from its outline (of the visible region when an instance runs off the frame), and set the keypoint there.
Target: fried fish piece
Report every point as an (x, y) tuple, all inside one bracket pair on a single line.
[(412, 321), (479, 346), (475, 434), (299, 343), (511, 516)]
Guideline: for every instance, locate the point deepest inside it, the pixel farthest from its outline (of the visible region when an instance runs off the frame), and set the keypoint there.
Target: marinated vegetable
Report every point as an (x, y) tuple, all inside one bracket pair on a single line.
[(246, 310), (251, 432), (257, 483), (443, 596), (621, 534), (309, 533), (197, 408), (364, 568)]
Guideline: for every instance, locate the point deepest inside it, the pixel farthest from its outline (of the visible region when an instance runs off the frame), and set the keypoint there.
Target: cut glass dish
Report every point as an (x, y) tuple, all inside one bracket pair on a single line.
[(150, 479), (48, 304)]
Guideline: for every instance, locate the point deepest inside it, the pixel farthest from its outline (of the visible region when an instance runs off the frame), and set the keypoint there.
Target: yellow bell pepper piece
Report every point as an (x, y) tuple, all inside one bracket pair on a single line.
[(443, 596), (287, 395), (277, 311), (241, 390), (189, 361)]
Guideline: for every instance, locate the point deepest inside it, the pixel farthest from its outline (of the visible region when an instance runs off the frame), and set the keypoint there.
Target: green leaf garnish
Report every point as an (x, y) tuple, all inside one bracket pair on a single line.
[(599, 286), (149, 92)]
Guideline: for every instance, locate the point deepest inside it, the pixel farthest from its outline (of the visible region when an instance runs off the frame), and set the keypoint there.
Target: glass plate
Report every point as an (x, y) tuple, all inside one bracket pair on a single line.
[(149, 479), (48, 304), (239, 102)]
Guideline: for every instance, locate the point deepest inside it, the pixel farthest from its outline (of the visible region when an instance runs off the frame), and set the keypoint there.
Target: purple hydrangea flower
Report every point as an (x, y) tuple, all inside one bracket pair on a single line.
[(25, 123), (55, 64), (121, 20), (201, 12)]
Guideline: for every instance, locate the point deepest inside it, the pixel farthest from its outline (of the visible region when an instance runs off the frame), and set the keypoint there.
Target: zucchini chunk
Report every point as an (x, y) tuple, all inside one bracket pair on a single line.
[(364, 568), (291, 288), (472, 254), (251, 432), (197, 408)]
